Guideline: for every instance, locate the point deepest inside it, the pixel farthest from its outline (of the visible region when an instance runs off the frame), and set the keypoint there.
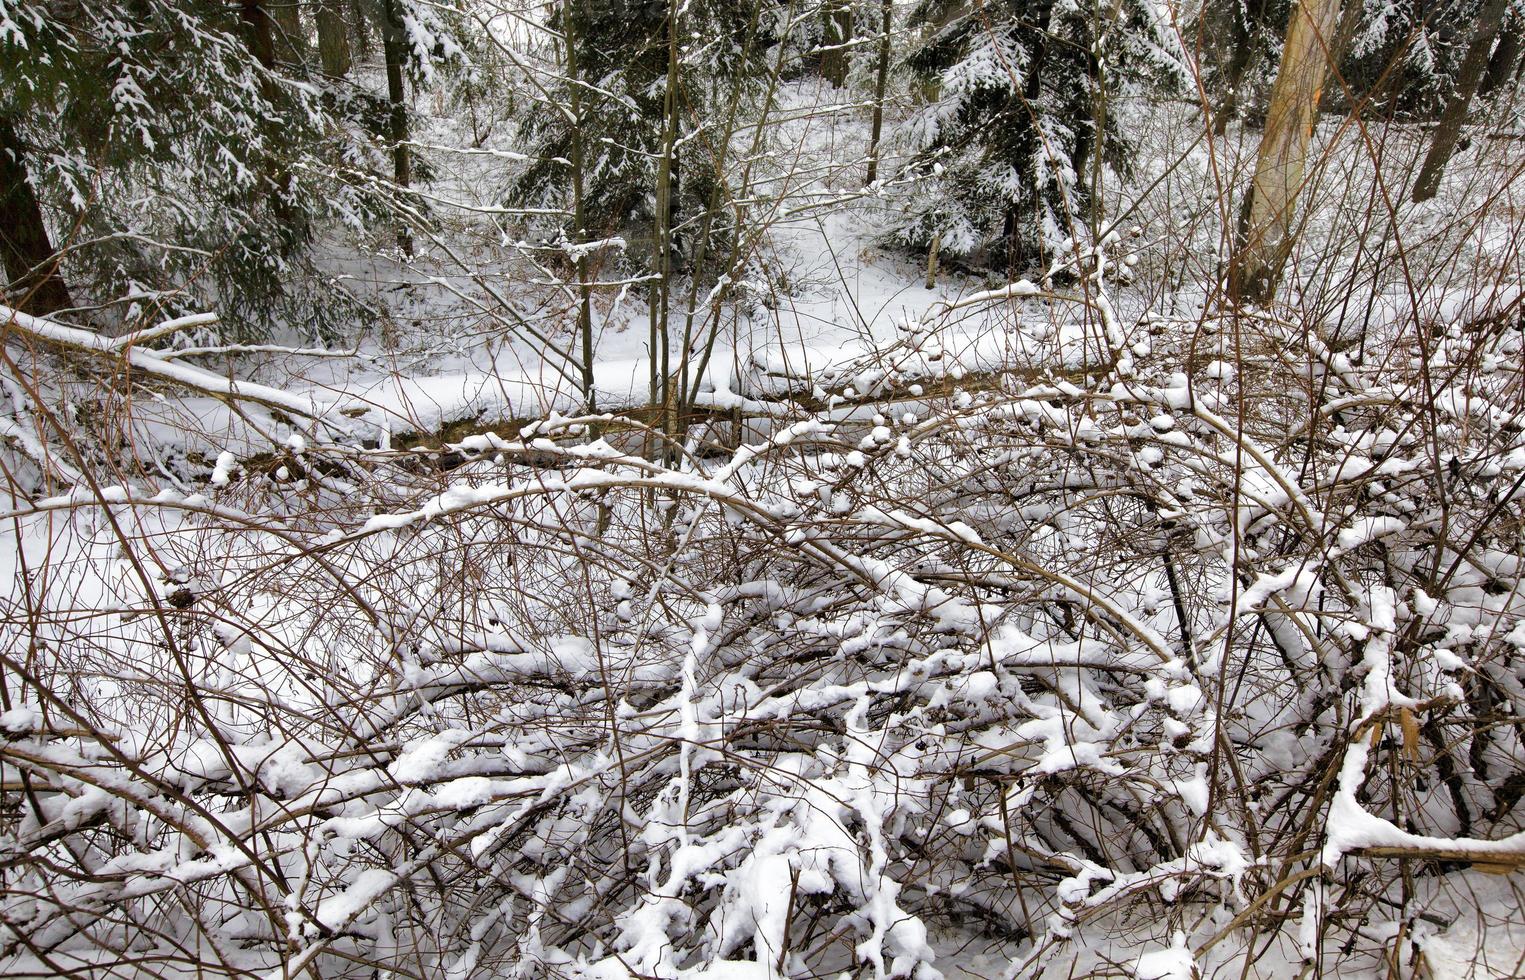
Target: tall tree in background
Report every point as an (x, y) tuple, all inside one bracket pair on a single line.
[(152, 122), (1489, 20), (394, 49), (1504, 63), (1400, 57), (881, 83), (333, 38), (571, 43), (1267, 231), (290, 33), (1403, 56), (187, 168), (836, 35), (1010, 138), (360, 27), (628, 59), (1251, 30), (31, 264)]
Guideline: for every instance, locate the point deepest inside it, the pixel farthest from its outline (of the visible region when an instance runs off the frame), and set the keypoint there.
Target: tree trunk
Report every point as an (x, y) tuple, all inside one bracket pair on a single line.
[(291, 39), (663, 389), (1502, 64), (579, 218), (392, 46), (35, 285), (333, 40), (837, 19), (1342, 100), (887, 9), (1240, 50), (1443, 144), (1266, 231), (259, 31), (360, 26)]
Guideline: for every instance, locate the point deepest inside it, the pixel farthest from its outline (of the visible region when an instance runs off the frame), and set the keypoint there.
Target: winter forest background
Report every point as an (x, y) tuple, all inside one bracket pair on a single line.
[(708, 489)]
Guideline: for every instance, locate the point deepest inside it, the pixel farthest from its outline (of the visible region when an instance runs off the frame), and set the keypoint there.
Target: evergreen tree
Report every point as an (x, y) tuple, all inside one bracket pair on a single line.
[(622, 57), (1404, 54), (1395, 56), (1239, 41), (1469, 78), (173, 163), (1019, 120)]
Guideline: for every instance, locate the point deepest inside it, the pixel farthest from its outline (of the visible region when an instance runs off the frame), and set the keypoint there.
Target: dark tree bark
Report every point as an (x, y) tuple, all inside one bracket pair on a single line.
[(392, 47), (1501, 65), (887, 16), (1340, 99), (259, 31), (360, 26), (579, 216), (290, 37), (333, 38), (1448, 131), (31, 265), (837, 19), (1246, 18)]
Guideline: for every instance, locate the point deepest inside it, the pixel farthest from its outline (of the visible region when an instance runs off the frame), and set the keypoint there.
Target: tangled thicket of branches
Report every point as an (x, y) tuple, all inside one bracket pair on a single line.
[(1214, 639)]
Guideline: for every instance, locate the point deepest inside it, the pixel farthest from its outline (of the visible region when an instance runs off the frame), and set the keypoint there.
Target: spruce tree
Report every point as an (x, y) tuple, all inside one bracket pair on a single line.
[(1019, 120), (1398, 57), (622, 57), (173, 163)]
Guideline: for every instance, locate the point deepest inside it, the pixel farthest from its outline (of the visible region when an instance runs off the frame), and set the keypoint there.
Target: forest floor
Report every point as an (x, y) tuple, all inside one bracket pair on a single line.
[(830, 315), (830, 311)]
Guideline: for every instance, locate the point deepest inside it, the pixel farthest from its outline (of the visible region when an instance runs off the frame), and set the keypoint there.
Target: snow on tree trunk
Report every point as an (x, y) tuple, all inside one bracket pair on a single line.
[(1266, 234), (837, 21)]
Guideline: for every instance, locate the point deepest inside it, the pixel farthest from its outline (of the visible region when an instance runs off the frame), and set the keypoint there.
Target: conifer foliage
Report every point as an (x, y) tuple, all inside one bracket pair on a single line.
[(622, 52), (1019, 122), (179, 157)]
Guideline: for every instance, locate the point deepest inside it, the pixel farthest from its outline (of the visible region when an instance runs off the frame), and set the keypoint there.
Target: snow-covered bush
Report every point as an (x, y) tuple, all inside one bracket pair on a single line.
[(1089, 626), (1214, 636)]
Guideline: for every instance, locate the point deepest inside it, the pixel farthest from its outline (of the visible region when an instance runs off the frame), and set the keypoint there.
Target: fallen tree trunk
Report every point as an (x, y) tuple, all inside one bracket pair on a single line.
[(98, 347)]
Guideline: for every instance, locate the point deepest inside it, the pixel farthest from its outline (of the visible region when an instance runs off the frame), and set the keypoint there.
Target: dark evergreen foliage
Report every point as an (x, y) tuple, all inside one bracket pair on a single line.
[(179, 163), (1019, 117), (623, 54)]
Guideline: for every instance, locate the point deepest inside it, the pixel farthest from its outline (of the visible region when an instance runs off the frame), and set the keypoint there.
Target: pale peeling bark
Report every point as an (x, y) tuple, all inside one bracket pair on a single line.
[(1267, 232)]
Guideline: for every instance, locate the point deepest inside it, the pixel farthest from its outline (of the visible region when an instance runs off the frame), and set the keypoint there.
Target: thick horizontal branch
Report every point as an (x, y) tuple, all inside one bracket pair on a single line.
[(77, 340)]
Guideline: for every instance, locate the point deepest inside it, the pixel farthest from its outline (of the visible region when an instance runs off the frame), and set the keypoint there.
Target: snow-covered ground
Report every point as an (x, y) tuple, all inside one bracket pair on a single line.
[(561, 707)]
